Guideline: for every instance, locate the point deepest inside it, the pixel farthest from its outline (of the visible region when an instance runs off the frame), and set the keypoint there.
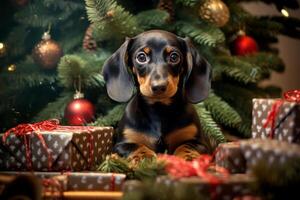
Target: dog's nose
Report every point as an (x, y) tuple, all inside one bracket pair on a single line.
[(159, 88)]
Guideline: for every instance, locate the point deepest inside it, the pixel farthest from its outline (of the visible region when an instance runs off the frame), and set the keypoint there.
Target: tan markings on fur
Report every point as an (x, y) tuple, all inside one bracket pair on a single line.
[(169, 49), (134, 136), (145, 85), (179, 136), (139, 154), (145, 88), (186, 152), (147, 50)]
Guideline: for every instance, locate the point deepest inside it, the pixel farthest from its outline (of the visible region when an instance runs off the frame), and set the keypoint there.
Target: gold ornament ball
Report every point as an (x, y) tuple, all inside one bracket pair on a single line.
[(214, 11), (47, 53)]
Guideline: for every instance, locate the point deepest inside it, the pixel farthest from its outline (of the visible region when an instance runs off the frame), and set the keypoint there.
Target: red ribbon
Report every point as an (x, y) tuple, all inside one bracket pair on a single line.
[(291, 96), (271, 119), (26, 129), (179, 168), (113, 183), (51, 184)]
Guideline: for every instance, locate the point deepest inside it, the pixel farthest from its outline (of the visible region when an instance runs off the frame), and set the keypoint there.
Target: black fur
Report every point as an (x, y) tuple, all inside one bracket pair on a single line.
[(155, 118)]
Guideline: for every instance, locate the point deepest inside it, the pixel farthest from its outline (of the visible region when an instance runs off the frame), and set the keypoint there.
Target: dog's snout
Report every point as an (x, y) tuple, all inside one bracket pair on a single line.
[(159, 87)]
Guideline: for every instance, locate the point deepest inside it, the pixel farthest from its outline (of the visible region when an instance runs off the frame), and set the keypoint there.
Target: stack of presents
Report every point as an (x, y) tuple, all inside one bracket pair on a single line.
[(66, 158)]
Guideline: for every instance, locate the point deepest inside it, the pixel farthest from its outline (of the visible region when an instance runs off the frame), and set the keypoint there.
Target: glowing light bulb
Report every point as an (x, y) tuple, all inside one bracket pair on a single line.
[(284, 12)]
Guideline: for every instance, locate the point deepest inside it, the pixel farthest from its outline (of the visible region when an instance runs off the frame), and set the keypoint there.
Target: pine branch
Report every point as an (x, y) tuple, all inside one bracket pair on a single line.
[(189, 3), (239, 70), (290, 25), (16, 39), (73, 69), (210, 128), (107, 15), (265, 60), (112, 117), (152, 19), (242, 102), (202, 34), (221, 111), (114, 164), (28, 74), (149, 168), (55, 109), (261, 26), (35, 15)]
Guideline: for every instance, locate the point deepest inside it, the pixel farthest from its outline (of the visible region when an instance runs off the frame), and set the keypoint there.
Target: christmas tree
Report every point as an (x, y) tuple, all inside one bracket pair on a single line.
[(237, 44)]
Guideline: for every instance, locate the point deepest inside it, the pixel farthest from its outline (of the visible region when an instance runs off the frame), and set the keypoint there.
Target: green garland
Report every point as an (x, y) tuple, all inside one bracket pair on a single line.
[(272, 181)]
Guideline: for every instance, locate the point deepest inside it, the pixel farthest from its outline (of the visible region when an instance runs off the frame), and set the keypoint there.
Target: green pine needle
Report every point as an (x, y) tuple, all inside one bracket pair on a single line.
[(210, 128), (112, 117), (74, 70), (203, 34), (55, 109), (149, 168), (221, 111), (108, 16), (189, 3), (114, 164), (151, 19)]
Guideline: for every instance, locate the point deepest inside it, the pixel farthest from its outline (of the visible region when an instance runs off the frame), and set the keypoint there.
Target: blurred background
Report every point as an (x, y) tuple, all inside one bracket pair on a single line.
[(289, 49)]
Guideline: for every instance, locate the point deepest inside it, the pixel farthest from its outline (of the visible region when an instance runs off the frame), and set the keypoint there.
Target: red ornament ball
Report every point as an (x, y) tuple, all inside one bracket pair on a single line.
[(244, 45), (79, 112)]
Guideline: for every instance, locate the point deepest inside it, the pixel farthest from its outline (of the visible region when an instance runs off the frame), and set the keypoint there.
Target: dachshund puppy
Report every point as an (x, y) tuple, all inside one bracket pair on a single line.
[(167, 74)]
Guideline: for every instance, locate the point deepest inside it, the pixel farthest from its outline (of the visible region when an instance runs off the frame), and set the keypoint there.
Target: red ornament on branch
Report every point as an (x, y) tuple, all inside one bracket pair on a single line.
[(244, 45), (79, 111)]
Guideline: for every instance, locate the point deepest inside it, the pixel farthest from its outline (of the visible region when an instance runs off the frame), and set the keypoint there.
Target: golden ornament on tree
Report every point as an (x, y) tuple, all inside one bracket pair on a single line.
[(47, 53), (214, 11)]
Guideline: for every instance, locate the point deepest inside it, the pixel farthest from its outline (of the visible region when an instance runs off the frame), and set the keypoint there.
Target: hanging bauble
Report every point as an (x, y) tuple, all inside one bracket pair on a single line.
[(244, 45), (3, 49), (89, 43), (79, 111), (47, 52), (214, 11)]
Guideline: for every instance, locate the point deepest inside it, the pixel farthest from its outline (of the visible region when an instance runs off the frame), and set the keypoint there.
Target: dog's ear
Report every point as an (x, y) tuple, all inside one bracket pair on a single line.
[(119, 83), (198, 77)]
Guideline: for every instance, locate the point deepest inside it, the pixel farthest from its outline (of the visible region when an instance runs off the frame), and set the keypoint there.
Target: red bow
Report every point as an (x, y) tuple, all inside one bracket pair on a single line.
[(179, 168), (291, 96), (25, 129)]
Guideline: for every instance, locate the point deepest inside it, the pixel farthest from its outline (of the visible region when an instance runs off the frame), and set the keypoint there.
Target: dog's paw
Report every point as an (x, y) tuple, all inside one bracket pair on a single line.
[(141, 153), (186, 152)]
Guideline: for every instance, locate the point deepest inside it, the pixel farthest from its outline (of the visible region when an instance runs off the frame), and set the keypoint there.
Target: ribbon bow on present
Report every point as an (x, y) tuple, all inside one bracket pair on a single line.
[(199, 167), (291, 96), (26, 129)]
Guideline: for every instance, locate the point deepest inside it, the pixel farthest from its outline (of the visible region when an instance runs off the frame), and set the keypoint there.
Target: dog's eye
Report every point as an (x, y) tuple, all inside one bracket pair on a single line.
[(142, 58), (174, 58)]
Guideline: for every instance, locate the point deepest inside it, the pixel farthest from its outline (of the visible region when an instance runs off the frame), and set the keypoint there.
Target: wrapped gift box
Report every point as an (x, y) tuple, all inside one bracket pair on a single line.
[(229, 156), (68, 148), (273, 152), (78, 181), (287, 120), (233, 186)]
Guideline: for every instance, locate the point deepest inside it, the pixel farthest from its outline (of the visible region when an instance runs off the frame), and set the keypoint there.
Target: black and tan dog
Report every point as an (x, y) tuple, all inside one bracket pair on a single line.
[(168, 74)]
